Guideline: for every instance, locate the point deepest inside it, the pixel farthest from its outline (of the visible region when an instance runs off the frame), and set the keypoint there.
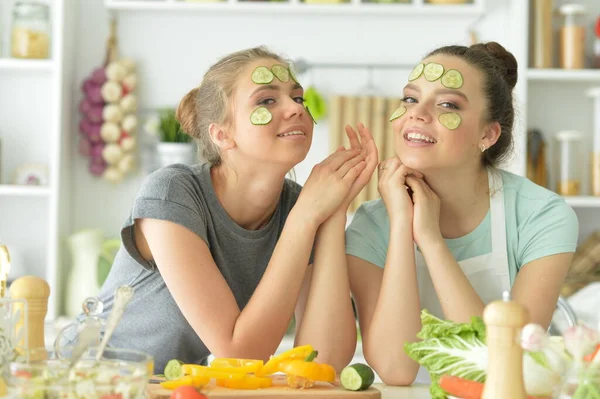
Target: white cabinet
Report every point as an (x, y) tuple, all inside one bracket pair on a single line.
[(35, 116)]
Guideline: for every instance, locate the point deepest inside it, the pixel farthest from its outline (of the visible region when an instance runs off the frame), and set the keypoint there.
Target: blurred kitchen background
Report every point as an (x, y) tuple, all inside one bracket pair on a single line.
[(88, 87)]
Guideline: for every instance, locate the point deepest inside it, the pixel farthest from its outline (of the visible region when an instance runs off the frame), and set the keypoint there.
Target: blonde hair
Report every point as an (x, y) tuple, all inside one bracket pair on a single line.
[(211, 101)]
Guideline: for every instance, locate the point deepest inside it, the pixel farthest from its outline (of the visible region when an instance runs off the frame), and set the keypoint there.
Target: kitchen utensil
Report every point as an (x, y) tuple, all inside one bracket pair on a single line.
[(123, 296)]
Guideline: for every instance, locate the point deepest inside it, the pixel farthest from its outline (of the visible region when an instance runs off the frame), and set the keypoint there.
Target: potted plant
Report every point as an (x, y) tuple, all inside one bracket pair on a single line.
[(173, 145)]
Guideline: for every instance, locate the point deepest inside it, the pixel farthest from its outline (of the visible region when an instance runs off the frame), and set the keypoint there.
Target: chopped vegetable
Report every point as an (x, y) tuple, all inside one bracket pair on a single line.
[(281, 73), (261, 116), (416, 72), (433, 71), (248, 382), (357, 377), (398, 113), (466, 389), (236, 365), (272, 366), (262, 75), (304, 373), (452, 79), (204, 371), (593, 356), (173, 369), (186, 380), (450, 120), (187, 392)]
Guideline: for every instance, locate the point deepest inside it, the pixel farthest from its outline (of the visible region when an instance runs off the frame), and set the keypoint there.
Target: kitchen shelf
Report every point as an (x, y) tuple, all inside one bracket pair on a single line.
[(583, 201), (18, 64), (23, 191), (555, 74), (296, 6)]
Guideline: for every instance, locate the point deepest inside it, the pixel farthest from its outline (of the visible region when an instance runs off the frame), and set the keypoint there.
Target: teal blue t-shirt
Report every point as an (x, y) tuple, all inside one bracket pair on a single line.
[(538, 223)]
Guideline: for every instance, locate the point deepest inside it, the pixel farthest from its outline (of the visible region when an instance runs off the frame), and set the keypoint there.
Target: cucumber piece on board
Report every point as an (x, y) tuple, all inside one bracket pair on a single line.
[(357, 377)]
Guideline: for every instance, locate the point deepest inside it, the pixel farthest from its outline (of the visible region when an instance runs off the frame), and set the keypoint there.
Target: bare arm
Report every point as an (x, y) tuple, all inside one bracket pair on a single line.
[(190, 273), (538, 284), (388, 307), (458, 298), (325, 304)]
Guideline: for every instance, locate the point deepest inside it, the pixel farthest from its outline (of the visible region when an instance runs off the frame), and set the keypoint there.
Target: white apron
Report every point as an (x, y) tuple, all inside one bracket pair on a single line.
[(488, 274)]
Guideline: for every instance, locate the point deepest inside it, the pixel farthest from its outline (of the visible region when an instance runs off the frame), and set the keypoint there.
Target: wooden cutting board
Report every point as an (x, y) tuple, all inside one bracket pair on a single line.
[(277, 391)]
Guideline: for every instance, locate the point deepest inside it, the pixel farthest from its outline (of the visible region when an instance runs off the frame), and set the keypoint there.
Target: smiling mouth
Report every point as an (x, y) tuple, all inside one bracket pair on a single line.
[(419, 138), (294, 133)]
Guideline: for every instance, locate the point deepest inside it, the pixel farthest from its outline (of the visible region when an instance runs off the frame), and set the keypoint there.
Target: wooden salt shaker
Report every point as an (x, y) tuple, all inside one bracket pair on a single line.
[(504, 320), (35, 291)]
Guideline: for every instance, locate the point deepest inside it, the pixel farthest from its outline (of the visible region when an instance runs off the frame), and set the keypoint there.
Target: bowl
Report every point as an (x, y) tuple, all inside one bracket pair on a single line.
[(120, 373)]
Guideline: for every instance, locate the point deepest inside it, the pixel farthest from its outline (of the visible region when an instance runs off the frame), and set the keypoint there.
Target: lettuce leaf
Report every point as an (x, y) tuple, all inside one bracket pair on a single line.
[(459, 349)]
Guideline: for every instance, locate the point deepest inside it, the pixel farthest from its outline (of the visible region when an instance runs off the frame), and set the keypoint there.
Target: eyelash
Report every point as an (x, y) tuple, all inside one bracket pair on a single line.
[(414, 101), (270, 101)]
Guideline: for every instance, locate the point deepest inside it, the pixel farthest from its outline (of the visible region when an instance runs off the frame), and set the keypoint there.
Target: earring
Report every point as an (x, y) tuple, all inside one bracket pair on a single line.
[(483, 148)]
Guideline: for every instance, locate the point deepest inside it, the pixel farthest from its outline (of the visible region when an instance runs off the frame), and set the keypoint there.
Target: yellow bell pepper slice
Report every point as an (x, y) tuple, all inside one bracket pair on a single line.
[(272, 366), (194, 381), (245, 366), (309, 370), (248, 382), (204, 371)]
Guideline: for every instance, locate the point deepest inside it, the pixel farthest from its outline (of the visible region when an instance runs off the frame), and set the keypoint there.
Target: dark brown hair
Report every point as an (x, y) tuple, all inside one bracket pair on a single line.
[(211, 101), (499, 68)]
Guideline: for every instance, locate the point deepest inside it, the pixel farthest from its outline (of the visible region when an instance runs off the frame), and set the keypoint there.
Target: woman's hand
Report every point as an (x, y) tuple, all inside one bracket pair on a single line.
[(329, 184), (426, 219), (393, 189), (366, 144)]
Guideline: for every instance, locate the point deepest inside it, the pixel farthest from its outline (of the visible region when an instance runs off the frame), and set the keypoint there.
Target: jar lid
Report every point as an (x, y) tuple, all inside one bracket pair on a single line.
[(31, 8), (572, 9), (568, 135)]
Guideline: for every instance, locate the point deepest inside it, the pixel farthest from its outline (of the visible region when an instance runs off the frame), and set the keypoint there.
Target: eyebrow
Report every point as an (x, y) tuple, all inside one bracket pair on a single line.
[(273, 87), (439, 91)]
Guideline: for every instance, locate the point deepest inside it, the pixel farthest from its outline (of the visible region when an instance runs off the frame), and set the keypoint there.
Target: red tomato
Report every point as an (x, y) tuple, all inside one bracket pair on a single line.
[(187, 392)]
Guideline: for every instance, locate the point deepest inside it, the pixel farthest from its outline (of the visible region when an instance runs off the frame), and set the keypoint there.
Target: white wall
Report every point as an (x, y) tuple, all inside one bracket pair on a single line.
[(173, 50)]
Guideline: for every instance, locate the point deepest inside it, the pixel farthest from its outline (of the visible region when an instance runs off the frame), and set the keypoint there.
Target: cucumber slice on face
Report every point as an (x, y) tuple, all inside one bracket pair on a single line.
[(357, 377), (293, 75), (311, 115), (261, 116), (262, 75), (416, 72), (398, 113), (281, 73), (433, 71), (451, 120), (173, 370), (452, 79)]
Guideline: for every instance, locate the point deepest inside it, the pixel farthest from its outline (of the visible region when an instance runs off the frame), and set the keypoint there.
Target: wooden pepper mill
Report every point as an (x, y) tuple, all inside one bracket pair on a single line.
[(35, 291), (504, 320)]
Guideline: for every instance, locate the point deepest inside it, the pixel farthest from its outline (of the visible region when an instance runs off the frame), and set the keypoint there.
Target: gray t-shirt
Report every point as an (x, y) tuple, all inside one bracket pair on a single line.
[(185, 195)]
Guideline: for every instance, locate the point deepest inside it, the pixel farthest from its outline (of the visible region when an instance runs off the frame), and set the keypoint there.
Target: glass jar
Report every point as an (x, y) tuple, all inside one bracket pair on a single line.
[(581, 381), (572, 37), (30, 30), (569, 154)]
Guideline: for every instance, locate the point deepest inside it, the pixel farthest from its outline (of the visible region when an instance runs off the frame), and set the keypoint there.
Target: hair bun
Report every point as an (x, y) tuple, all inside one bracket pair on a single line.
[(505, 59)]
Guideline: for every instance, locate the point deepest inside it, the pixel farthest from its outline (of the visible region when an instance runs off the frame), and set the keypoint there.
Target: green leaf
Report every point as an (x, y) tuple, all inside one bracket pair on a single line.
[(436, 391)]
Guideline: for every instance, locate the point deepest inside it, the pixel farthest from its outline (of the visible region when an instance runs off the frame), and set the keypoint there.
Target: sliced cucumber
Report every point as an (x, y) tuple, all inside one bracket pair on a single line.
[(398, 113), (357, 377), (173, 369), (261, 116), (416, 72), (433, 71), (451, 120), (452, 79), (262, 75), (281, 73), (293, 75), (311, 115)]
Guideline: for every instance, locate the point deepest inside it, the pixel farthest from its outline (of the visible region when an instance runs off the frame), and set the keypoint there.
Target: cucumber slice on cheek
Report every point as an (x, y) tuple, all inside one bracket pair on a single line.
[(262, 75), (261, 116), (398, 113), (450, 120)]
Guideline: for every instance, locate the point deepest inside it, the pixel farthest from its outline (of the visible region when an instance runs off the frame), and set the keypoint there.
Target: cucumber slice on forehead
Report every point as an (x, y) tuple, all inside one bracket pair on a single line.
[(433, 71), (398, 113), (416, 72), (452, 79), (281, 73), (262, 75), (261, 116), (451, 120), (293, 75)]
